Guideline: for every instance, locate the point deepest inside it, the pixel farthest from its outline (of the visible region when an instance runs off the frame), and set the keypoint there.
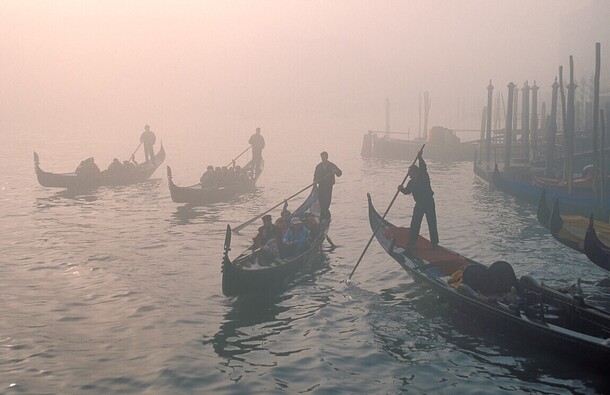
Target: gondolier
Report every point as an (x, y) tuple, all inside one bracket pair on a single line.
[(419, 187), (257, 141), (324, 176), (148, 139)]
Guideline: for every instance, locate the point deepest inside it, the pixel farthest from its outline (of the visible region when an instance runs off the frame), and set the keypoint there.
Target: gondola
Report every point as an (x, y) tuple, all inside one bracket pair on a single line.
[(255, 272), (530, 311), (196, 195), (442, 146), (579, 202), (138, 173), (596, 250)]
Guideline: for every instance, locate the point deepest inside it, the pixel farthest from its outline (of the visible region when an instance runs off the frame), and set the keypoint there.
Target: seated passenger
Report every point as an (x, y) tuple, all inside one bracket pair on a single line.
[(266, 233), (116, 167), (282, 225), (128, 166), (296, 238), (208, 179), (310, 221), (87, 168)]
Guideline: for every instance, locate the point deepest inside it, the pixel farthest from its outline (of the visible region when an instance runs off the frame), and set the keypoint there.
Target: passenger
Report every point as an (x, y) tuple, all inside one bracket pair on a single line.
[(88, 168), (296, 238), (266, 232), (310, 221), (116, 167), (208, 179), (282, 225), (128, 166)]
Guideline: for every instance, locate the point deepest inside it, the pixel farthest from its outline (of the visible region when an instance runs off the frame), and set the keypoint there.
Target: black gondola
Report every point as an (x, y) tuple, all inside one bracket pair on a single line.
[(256, 272), (138, 173), (595, 249), (197, 195), (535, 313)]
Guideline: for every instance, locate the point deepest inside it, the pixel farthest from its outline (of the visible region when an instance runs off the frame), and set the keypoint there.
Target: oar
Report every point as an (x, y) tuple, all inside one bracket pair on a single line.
[(134, 152), (384, 214), (238, 156), (240, 227)]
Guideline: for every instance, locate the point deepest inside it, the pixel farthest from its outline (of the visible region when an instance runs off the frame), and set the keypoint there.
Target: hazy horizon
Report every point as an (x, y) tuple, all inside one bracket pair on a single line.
[(108, 68)]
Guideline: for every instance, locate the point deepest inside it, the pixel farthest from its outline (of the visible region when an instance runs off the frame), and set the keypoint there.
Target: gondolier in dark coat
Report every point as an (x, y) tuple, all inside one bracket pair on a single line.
[(257, 141), (419, 187), (148, 139), (324, 176)]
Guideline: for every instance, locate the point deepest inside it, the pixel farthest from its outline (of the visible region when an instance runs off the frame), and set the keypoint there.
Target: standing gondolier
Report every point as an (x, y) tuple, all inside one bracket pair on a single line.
[(148, 139), (324, 176), (419, 187), (257, 141)]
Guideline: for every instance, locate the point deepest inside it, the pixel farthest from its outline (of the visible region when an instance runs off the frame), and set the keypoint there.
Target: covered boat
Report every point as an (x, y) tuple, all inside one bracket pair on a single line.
[(138, 173), (256, 272), (597, 251), (198, 195), (442, 146), (536, 314)]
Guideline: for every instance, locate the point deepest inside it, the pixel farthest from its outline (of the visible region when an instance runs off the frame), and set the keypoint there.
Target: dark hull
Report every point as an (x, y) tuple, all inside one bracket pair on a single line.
[(245, 276), (198, 196), (139, 173), (389, 148), (595, 249), (566, 324)]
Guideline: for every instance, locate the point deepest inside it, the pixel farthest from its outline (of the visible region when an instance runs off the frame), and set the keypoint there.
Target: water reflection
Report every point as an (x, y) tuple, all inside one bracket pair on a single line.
[(187, 215), (67, 197), (75, 196), (248, 324), (252, 322)]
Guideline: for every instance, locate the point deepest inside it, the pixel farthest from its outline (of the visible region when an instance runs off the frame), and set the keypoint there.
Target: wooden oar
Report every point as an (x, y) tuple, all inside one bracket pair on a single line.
[(384, 214), (240, 227), (134, 152), (238, 156)]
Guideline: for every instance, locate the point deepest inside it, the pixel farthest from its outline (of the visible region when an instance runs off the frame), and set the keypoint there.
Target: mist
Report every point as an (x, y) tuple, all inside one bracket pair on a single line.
[(189, 67)]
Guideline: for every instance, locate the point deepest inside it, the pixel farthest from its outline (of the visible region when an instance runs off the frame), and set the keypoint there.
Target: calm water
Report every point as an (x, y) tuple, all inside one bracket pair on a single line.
[(119, 290)]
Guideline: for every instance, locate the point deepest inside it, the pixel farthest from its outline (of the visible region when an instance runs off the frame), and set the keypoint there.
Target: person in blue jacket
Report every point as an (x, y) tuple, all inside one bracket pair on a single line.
[(296, 238)]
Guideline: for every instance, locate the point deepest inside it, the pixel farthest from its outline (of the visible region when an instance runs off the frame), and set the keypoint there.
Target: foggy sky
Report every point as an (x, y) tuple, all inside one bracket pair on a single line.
[(190, 65)]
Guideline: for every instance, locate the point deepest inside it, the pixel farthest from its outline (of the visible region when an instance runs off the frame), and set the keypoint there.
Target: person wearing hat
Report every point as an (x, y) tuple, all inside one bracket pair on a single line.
[(208, 179), (419, 187), (148, 139), (324, 176), (267, 232), (296, 237)]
